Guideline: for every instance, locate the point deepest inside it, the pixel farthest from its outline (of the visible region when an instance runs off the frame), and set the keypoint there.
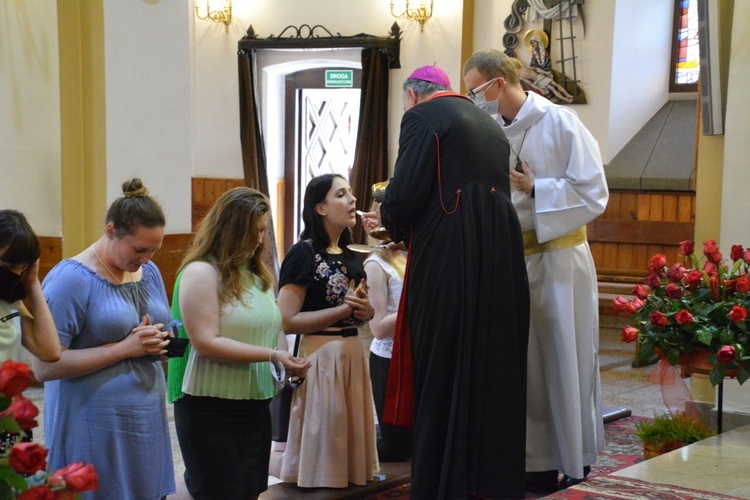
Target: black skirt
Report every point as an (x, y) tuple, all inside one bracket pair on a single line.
[(225, 444)]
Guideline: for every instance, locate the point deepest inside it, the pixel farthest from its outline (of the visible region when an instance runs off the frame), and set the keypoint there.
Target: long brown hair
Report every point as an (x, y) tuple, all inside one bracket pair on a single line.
[(225, 236)]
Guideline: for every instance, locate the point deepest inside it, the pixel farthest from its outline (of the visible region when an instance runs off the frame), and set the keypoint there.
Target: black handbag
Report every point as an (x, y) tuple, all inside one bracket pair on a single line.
[(281, 406)]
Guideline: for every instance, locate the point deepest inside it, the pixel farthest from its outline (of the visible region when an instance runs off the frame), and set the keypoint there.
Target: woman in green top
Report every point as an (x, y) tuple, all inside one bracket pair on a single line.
[(224, 296)]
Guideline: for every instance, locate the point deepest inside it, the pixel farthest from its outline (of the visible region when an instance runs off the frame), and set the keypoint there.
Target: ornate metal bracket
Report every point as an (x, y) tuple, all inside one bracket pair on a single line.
[(318, 37)]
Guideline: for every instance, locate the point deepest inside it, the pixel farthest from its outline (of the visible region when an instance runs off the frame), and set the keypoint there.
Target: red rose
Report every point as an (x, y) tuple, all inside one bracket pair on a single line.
[(640, 291), (711, 251), (27, 458), (659, 260), (711, 268), (637, 303), (14, 378), (653, 280), (673, 291), (658, 319), (78, 477), (693, 279), (42, 492), (683, 317), (726, 354), (687, 247), (738, 314), (629, 334), (736, 253), (675, 273), (23, 411), (746, 255), (621, 304), (742, 285)]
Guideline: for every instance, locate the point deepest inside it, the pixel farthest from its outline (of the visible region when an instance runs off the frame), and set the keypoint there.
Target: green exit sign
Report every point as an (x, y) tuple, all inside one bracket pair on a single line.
[(339, 78)]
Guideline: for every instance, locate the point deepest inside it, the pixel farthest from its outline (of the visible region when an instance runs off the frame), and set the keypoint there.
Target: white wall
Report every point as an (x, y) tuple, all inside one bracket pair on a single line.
[(639, 84), (30, 155), (148, 103), (735, 216)]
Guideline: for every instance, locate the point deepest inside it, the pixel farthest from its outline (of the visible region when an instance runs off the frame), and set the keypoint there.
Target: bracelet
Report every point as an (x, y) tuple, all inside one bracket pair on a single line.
[(273, 357)]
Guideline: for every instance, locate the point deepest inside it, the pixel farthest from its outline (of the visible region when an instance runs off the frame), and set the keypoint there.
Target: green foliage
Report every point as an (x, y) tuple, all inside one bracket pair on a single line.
[(676, 428)]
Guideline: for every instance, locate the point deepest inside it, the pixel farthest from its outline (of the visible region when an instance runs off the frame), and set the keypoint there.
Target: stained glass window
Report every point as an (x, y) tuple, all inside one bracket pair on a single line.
[(686, 57)]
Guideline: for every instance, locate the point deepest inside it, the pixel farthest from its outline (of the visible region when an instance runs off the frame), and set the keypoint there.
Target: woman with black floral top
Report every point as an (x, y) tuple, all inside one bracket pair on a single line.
[(323, 297)]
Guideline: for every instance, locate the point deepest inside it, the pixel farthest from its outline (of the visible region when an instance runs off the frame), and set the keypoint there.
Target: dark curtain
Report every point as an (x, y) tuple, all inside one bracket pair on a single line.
[(371, 153), (253, 150)]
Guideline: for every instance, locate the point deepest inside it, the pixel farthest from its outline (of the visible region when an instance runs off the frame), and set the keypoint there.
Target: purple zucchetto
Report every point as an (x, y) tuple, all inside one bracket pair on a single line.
[(431, 74)]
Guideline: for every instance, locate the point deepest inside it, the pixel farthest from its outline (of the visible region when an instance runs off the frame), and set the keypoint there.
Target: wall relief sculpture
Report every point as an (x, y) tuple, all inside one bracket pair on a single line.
[(552, 68)]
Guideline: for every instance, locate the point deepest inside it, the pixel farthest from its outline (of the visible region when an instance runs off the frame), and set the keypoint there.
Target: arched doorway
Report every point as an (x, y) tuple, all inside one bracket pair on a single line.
[(376, 54)]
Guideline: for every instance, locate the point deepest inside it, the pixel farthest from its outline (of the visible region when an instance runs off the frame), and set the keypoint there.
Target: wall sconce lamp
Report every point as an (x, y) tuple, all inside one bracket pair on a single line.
[(420, 14), (218, 16)]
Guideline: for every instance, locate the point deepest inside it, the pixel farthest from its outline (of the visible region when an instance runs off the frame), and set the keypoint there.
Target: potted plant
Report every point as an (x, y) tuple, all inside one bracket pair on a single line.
[(667, 432), (694, 315)]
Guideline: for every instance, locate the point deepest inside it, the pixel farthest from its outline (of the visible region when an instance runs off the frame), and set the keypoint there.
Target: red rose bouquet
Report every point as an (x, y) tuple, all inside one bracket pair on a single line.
[(679, 310), (23, 465)]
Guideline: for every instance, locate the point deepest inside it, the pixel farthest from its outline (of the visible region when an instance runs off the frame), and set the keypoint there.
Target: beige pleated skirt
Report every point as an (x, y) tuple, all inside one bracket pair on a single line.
[(332, 439)]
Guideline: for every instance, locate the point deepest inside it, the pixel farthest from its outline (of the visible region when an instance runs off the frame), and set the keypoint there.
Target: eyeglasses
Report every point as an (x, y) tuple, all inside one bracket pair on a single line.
[(482, 88)]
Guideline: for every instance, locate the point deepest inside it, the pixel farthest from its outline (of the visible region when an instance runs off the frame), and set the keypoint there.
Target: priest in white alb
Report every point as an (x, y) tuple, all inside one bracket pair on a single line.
[(559, 186)]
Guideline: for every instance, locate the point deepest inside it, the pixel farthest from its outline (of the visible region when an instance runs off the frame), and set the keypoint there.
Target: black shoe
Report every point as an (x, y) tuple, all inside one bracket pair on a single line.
[(542, 482), (568, 481)]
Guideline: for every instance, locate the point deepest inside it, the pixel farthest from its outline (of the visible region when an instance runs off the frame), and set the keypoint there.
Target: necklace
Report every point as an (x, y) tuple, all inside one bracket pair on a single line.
[(119, 282), (135, 287), (519, 167)]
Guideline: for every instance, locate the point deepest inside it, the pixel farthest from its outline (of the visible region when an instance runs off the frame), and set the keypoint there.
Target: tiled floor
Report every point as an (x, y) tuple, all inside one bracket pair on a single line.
[(717, 465)]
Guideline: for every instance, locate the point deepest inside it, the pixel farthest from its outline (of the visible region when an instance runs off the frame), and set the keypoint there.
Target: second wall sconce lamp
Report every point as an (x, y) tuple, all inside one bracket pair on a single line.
[(218, 16), (420, 14)]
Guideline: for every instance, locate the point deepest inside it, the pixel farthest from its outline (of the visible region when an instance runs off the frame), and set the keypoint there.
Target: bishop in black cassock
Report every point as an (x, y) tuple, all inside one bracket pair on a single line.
[(464, 316)]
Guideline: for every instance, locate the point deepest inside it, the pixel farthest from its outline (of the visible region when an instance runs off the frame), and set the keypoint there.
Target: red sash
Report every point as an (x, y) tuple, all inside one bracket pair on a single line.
[(399, 393)]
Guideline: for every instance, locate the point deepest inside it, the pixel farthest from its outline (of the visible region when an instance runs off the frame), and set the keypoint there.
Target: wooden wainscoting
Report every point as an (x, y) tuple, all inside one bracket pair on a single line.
[(205, 192), (169, 256), (637, 225), (51, 254)]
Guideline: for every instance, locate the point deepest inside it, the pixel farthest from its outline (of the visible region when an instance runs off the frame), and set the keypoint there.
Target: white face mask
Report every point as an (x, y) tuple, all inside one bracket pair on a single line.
[(488, 107), (480, 100)]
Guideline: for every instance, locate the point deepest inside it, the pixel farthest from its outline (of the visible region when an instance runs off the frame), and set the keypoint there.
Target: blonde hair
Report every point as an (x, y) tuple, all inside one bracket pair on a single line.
[(395, 258), (517, 63), (225, 236), (491, 63)]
